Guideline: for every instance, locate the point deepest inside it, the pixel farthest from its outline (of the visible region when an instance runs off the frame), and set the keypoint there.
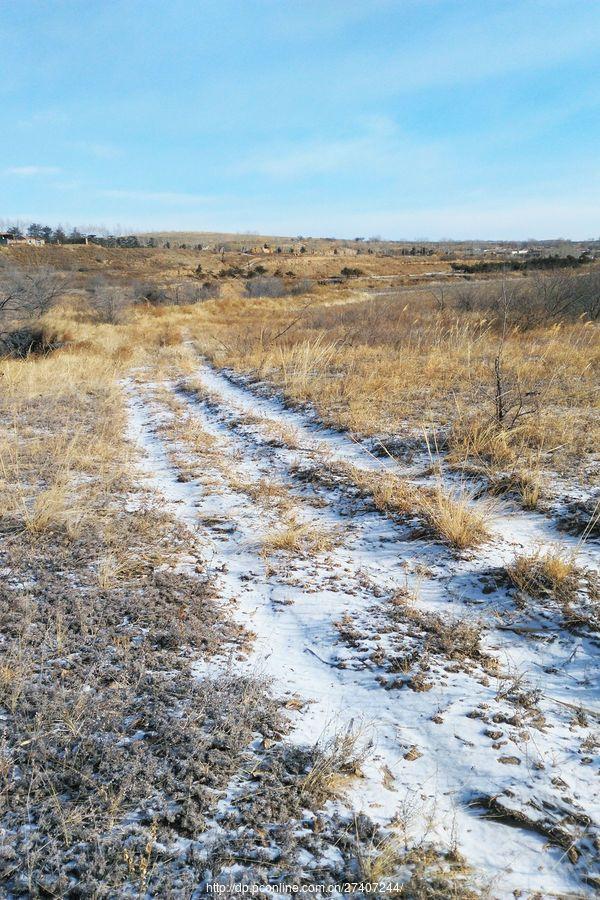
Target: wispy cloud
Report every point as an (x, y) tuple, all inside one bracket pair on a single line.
[(499, 42), (160, 197), (44, 118), (99, 149), (311, 17), (31, 171), (310, 158), (377, 146)]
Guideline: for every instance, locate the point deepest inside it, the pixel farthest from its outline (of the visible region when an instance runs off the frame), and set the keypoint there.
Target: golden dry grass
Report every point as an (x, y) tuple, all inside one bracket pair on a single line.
[(54, 442), (63, 451), (399, 366), (300, 538), (265, 491), (555, 577), (456, 517), (452, 514), (376, 366), (549, 572)]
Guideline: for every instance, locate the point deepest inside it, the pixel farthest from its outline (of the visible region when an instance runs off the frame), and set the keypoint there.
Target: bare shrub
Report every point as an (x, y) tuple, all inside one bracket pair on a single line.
[(149, 294), (25, 296), (20, 342), (110, 302), (31, 291), (192, 292), (303, 286), (269, 286), (539, 299)]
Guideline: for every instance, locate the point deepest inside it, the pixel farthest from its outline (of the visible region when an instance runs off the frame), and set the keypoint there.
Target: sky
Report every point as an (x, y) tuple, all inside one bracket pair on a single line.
[(401, 118)]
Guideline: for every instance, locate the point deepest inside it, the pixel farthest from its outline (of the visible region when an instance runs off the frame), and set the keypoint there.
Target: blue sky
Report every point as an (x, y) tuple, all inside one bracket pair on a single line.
[(405, 118)]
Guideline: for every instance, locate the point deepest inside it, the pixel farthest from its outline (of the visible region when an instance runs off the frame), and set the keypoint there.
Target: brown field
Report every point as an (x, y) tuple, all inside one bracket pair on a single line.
[(401, 360), (177, 263), (396, 366)]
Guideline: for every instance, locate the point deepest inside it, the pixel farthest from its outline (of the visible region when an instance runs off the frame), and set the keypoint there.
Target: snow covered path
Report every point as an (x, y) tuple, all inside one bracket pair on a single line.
[(486, 743)]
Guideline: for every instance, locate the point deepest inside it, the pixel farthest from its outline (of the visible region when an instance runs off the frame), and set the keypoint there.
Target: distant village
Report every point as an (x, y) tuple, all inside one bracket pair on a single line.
[(37, 235)]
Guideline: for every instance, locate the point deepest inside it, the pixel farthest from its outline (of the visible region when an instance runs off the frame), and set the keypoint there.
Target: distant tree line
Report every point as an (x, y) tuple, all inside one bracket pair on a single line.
[(520, 265), (75, 236)]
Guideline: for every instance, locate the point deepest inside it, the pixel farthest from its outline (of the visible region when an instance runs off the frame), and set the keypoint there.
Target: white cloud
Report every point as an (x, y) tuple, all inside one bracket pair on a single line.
[(311, 17), (31, 171), (378, 146), (44, 118), (161, 197), (100, 150), (503, 41)]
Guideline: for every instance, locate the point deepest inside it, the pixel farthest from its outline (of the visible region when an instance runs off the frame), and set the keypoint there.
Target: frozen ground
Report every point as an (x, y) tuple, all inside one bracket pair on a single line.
[(478, 714)]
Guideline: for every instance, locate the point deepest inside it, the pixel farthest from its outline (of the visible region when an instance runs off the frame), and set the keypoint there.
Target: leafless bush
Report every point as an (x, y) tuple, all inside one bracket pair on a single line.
[(536, 300), (562, 296), (303, 286), (23, 341), (25, 295), (468, 297), (269, 286), (192, 292), (149, 294), (110, 302), (34, 290)]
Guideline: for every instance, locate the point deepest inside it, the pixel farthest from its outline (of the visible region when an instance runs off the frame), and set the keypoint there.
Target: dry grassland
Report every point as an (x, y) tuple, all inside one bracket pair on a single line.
[(116, 754), (398, 368)]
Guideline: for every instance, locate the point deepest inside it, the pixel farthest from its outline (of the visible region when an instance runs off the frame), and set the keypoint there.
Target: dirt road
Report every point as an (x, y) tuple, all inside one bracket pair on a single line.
[(477, 712)]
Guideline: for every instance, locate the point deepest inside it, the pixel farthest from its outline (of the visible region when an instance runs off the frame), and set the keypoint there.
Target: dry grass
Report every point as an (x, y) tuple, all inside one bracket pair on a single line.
[(380, 860), (299, 538), (50, 508), (420, 872), (525, 484), (551, 572), (451, 514), (334, 761), (456, 517), (281, 433), (554, 574), (265, 491), (389, 492), (398, 365), (47, 466)]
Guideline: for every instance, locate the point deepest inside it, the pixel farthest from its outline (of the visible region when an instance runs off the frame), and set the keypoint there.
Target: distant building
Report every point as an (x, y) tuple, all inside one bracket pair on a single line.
[(7, 238)]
